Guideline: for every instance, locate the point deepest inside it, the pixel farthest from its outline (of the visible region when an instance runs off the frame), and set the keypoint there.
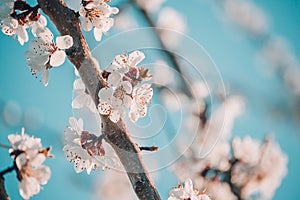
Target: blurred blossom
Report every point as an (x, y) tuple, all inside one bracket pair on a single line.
[(247, 15), (150, 6), (33, 118), (162, 74), (124, 21), (12, 113), (200, 90), (114, 185), (174, 101), (172, 21)]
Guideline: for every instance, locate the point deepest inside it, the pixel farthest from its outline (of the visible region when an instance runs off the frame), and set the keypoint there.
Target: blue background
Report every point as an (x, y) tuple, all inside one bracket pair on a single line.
[(271, 108)]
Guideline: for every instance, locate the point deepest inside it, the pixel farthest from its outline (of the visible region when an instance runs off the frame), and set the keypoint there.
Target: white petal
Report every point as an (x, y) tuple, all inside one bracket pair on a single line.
[(42, 173), (38, 160), (114, 79), (45, 35), (105, 94), (114, 10), (58, 58), (135, 58), (127, 101), (97, 34), (86, 24), (114, 116), (126, 86), (21, 160), (64, 42), (45, 77), (28, 187)]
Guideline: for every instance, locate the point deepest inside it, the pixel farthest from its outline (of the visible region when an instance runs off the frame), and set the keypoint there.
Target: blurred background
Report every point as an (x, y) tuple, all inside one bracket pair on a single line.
[(254, 48)]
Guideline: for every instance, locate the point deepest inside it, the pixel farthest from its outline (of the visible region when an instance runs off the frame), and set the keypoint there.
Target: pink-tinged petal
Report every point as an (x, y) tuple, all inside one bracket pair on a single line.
[(45, 77), (64, 42), (97, 34), (107, 23), (28, 187), (57, 58), (135, 58), (38, 159), (127, 101), (42, 174), (104, 108), (86, 24)]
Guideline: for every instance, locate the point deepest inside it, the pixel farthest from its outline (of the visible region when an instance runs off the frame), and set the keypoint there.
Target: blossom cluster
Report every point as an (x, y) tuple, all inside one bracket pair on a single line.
[(125, 88), (17, 17), (86, 150), (96, 14), (29, 157), (238, 169)]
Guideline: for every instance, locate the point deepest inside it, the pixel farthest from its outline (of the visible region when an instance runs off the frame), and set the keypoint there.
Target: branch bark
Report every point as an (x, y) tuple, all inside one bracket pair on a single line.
[(3, 194), (67, 23)]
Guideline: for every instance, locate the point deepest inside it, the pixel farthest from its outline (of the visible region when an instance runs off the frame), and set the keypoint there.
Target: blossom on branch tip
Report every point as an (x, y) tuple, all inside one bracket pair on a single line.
[(96, 14), (29, 157), (44, 54)]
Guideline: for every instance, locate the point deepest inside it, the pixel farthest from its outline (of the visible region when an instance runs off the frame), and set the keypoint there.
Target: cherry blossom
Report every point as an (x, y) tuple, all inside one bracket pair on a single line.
[(141, 97), (122, 63), (29, 157), (11, 27), (96, 14), (82, 147), (187, 192), (44, 54)]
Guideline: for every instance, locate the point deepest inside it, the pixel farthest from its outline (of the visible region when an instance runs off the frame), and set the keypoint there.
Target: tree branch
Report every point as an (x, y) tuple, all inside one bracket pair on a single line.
[(3, 194), (67, 23)]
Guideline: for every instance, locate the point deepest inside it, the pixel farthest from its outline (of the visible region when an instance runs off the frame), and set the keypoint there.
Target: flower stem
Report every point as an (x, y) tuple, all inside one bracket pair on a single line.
[(4, 146)]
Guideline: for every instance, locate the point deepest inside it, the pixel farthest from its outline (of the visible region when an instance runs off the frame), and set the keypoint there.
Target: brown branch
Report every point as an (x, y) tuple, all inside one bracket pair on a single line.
[(67, 23), (3, 194)]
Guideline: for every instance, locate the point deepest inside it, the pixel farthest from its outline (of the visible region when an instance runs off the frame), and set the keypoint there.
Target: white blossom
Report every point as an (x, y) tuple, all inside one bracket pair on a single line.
[(44, 54), (187, 192), (82, 148), (11, 27), (96, 14), (29, 156), (141, 97), (122, 63)]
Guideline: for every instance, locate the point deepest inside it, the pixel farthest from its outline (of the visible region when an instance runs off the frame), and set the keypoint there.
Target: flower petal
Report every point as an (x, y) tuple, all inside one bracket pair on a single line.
[(45, 77), (135, 58), (58, 58), (64, 42)]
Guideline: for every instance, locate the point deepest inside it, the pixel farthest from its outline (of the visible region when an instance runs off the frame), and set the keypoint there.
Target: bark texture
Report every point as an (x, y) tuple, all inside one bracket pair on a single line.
[(67, 23)]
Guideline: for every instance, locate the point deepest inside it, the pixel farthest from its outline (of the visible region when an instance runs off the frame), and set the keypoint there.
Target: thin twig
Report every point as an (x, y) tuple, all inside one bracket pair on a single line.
[(4, 146)]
